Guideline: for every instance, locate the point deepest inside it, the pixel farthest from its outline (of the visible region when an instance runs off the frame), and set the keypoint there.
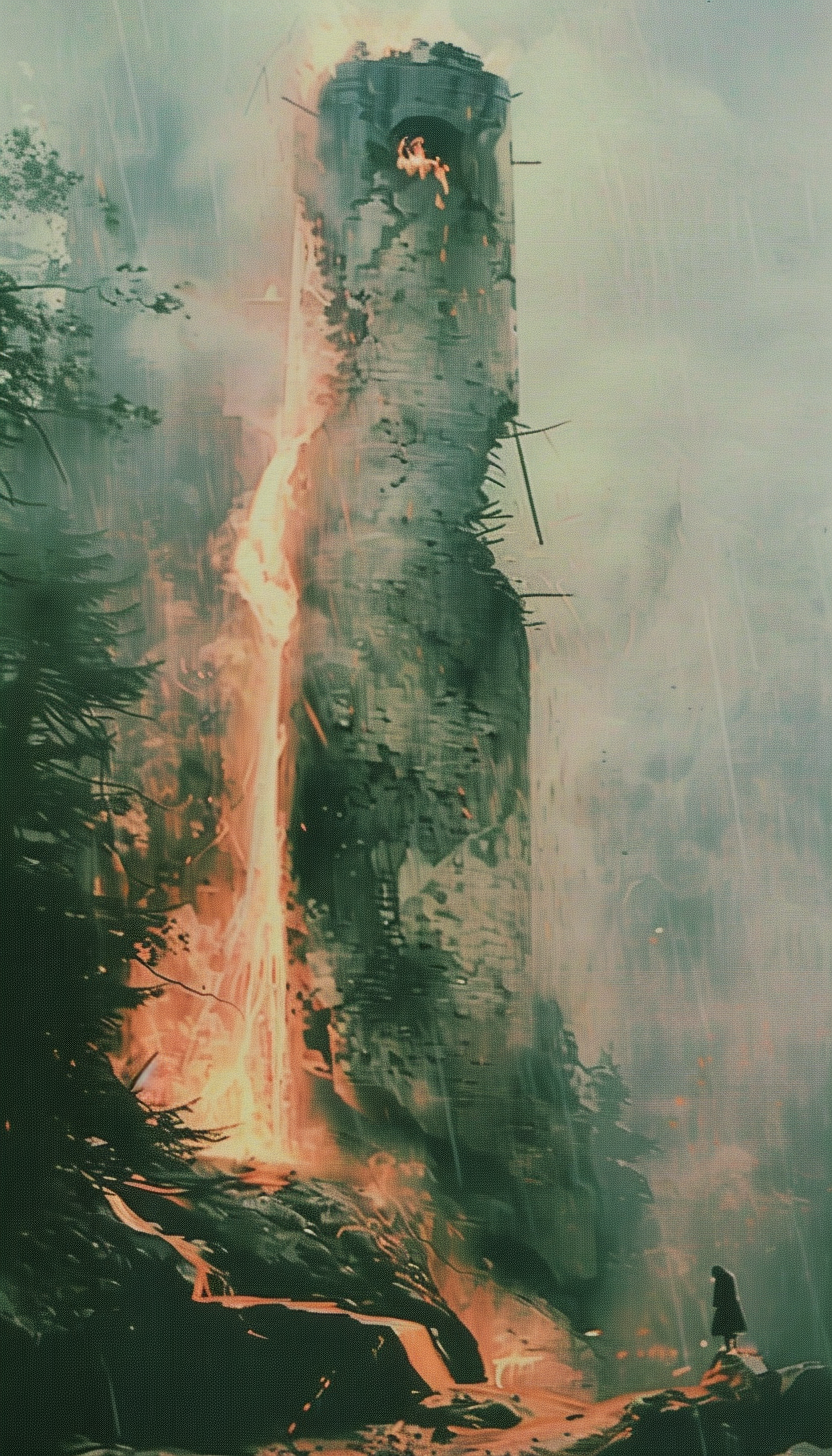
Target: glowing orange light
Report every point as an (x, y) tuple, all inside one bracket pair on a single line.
[(231, 1061), (414, 1337), (413, 160)]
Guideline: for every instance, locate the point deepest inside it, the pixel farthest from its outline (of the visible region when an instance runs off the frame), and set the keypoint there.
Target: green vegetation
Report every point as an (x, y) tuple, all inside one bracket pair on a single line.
[(69, 1130)]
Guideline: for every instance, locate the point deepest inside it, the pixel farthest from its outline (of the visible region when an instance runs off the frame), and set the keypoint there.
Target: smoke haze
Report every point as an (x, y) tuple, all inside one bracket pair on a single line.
[(674, 259)]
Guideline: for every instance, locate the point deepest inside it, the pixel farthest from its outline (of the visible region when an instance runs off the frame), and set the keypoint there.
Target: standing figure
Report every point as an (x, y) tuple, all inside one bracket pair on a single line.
[(728, 1320)]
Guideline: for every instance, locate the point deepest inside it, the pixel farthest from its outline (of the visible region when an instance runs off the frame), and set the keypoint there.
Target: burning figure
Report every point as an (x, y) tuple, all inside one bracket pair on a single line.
[(411, 159)]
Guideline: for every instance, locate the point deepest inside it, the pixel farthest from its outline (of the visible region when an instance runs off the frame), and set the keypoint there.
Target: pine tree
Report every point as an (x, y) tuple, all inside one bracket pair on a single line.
[(69, 1129), (69, 928)]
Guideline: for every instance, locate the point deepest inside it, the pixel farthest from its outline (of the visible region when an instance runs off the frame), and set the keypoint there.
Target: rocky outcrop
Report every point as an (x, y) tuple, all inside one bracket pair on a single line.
[(244, 1317), (314, 1241), (741, 1408)]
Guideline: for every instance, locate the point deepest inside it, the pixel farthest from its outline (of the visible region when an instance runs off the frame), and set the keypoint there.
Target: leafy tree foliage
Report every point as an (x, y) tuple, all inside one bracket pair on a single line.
[(45, 344), (32, 179)]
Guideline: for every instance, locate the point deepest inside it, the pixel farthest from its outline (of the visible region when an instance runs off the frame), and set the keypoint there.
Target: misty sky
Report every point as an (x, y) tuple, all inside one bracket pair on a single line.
[(674, 267)]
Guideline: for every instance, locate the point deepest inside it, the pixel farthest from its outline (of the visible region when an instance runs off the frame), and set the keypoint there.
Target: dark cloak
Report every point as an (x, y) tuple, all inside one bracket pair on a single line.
[(729, 1319)]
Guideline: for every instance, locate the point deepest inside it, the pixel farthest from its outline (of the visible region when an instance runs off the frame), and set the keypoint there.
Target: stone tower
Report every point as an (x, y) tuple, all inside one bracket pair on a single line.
[(409, 830)]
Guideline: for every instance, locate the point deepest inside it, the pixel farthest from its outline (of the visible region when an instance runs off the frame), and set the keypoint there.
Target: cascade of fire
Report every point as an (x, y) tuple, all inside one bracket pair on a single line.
[(248, 1088), (230, 1062)]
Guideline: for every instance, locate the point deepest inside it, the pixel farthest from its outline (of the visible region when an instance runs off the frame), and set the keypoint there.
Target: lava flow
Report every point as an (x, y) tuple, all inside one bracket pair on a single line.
[(230, 1063), (413, 1336), (248, 1085)]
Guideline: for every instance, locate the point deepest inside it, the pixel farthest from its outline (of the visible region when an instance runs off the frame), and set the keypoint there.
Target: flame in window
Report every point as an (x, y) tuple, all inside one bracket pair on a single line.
[(413, 160)]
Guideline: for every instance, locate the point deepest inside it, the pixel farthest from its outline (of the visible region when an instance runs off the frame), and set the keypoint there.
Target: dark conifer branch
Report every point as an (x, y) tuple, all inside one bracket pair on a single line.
[(70, 928)]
